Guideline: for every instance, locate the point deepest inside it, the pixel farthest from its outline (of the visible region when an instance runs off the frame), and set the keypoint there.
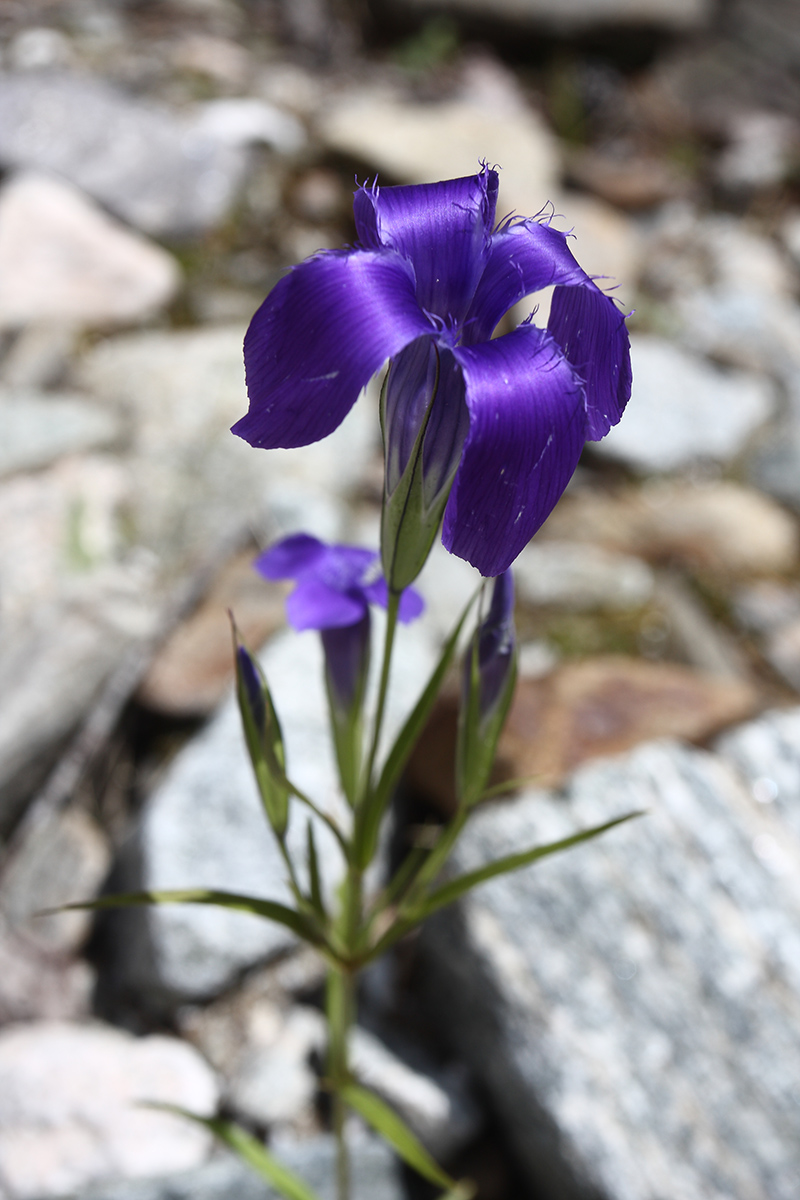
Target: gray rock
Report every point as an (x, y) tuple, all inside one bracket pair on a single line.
[(683, 410), (37, 985), (64, 260), (375, 1176), (766, 752), (51, 673), (632, 1005), (180, 393), (137, 159), (39, 428), (63, 860), (577, 577), (204, 827), (71, 1110), (571, 15), (775, 465)]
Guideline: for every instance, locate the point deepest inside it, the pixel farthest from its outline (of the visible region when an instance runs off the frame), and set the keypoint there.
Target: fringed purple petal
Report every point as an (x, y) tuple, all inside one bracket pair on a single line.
[(527, 428), (291, 557), (314, 604), (317, 340), (587, 324), (591, 331), (524, 257), (442, 228)]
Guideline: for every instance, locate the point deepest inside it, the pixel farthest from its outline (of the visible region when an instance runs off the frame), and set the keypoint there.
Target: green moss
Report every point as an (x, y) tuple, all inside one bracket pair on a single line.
[(435, 43), (578, 635)]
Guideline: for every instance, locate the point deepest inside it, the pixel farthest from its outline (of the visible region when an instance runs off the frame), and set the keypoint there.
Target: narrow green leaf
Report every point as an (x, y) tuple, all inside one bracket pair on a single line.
[(251, 1151), (391, 1127), (511, 785), (374, 807), (456, 888), (270, 909), (313, 872)]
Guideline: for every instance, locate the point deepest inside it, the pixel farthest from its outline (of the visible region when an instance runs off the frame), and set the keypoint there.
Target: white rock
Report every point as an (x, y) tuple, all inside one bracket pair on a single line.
[(70, 1107), (419, 143), (760, 150), (39, 427), (682, 409), (242, 121), (577, 576), (276, 1083), (62, 259)]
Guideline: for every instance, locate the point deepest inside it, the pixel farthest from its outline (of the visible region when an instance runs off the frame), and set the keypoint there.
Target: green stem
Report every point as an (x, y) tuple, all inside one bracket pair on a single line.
[(340, 1013), (392, 608)]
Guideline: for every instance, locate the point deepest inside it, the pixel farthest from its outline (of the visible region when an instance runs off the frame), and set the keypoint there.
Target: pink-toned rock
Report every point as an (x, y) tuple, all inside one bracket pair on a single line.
[(71, 1107), (63, 259)]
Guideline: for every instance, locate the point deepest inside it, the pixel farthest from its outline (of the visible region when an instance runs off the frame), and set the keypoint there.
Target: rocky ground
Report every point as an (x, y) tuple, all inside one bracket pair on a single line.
[(617, 1023)]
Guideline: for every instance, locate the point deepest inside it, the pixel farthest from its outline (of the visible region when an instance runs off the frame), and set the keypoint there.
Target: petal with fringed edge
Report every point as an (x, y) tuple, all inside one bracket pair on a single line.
[(526, 256), (591, 331), (318, 339), (526, 432), (314, 604), (443, 229)]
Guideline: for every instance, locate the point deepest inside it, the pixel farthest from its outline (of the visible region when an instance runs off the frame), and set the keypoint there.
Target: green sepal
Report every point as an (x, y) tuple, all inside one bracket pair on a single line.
[(478, 734), (371, 812), (262, 735), (410, 517), (271, 910), (390, 1126), (251, 1151)]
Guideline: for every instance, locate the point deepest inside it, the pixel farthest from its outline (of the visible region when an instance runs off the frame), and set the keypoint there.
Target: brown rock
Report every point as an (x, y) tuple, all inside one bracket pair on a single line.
[(584, 710), (719, 526), (194, 668), (629, 182)]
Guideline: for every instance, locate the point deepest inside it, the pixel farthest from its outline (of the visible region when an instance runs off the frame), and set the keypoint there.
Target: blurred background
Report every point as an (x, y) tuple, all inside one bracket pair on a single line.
[(623, 1023)]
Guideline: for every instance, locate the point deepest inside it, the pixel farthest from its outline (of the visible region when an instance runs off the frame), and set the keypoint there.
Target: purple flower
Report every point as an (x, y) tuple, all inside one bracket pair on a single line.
[(335, 587), (426, 287)]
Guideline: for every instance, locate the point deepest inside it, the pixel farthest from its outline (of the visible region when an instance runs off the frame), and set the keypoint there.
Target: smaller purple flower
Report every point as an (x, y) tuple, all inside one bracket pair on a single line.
[(335, 587), (335, 584)]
